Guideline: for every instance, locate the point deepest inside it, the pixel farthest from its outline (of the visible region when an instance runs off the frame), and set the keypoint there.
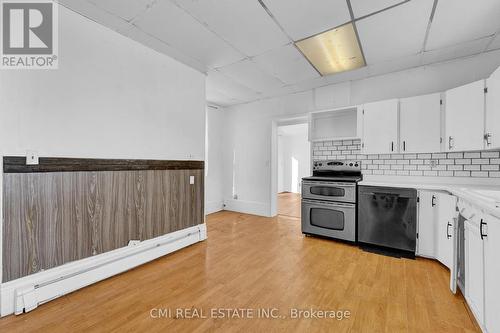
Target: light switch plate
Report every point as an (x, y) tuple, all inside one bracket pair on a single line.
[(191, 180), (31, 157)]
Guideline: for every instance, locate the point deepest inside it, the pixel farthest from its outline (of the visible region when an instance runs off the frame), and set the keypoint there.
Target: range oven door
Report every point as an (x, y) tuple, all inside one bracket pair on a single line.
[(330, 219), (329, 191)]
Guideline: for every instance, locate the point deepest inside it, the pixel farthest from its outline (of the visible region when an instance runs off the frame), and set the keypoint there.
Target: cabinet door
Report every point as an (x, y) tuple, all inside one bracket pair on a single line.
[(445, 225), (465, 117), (420, 124), (493, 111), (380, 127), (492, 274), (426, 228), (474, 268)]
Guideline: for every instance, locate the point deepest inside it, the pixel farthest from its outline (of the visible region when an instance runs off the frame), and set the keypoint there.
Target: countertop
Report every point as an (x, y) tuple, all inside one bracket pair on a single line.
[(484, 193)]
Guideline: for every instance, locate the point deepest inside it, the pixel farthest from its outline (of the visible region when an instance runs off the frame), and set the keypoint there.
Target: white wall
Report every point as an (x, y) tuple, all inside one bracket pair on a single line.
[(248, 143), (110, 98), (294, 145), (214, 198)]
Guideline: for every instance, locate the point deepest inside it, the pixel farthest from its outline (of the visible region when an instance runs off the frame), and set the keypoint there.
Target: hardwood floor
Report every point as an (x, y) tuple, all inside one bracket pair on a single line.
[(289, 204), (257, 262)]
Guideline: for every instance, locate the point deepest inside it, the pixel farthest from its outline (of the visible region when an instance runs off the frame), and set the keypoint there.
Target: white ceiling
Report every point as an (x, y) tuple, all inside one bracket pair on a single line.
[(246, 46)]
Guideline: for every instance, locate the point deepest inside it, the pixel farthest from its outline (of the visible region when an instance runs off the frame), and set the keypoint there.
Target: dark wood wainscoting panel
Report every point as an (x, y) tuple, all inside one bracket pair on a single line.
[(17, 164), (57, 217)]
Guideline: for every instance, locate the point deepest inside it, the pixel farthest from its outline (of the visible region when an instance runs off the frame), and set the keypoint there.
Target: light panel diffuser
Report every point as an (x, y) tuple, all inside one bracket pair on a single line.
[(333, 51)]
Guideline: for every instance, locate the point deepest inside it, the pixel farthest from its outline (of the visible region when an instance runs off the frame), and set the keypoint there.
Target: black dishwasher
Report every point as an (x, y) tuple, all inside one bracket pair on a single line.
[(388, 217)]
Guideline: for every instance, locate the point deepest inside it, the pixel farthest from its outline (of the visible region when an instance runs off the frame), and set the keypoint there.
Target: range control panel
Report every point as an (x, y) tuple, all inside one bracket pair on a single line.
[(337, 165)]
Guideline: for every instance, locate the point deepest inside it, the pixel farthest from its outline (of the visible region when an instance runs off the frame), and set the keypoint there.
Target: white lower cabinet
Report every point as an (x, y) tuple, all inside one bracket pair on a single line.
[(474, 267), (492, 274), (436, 227)]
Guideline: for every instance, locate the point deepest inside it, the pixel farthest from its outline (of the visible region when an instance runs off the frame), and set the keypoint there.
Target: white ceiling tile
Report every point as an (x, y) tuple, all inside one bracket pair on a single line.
[(244, 24), (362, 7), (249, 74), (394, 33), (456, 51), (287, 64), (455, 22), (496, 43), (227, 86), (126, 9), (162, 47), (394, 65), (175, 27), (97, 14), (301, 19)]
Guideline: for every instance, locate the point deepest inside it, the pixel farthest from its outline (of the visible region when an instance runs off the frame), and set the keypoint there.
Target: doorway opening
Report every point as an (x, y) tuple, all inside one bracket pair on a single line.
[(293, 163)]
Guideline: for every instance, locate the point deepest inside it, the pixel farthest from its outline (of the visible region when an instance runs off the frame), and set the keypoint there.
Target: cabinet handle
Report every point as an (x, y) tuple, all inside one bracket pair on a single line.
[(487, 138), (481, 229), (448, 229), (404, 145), (451, 142), (392, 145), (433, 201)]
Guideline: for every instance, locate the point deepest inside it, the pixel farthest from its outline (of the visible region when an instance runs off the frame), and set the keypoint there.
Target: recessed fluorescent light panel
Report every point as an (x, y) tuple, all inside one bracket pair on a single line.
[(333, 51)]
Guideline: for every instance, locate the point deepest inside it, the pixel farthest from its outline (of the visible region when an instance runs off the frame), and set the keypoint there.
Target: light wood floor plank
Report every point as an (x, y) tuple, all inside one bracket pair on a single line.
[(255, 262)]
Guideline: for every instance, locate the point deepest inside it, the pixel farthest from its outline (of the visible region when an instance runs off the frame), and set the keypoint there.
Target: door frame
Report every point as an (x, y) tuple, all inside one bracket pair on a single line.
[(275, 123)]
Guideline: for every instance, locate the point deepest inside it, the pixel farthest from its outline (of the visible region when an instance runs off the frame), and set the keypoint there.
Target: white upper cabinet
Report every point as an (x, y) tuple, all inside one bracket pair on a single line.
[(492, 274), (380, 127), (335, 124), (465, 117), (492, 135), (420, 124)]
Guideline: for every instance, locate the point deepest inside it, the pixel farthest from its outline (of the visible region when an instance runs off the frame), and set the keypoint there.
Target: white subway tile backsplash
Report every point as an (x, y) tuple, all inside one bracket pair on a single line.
[(459, 164), (479, 174), (490, 154), (490, 167), (455, 155), (472, 167), (480, 161)]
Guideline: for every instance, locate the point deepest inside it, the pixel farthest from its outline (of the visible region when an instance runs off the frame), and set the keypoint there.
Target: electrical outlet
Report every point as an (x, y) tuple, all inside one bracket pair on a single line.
[(191, 180), (133, 242), (31, 157), (235, 197), (433, 163)]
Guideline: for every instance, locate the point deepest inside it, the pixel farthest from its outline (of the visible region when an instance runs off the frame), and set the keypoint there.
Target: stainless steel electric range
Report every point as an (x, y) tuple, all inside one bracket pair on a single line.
[(329, 199)]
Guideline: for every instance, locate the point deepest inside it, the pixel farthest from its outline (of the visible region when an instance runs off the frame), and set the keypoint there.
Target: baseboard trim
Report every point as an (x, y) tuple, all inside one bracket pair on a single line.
[(247, 207), (213, 207), (26, 293)]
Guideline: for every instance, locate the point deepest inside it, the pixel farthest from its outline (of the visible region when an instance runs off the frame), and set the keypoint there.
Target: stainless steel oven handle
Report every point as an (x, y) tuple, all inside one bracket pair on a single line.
[(330, 203), (333, 184)]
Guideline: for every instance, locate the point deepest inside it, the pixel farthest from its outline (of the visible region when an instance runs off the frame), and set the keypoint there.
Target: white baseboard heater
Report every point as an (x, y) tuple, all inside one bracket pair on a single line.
[(26, 293)]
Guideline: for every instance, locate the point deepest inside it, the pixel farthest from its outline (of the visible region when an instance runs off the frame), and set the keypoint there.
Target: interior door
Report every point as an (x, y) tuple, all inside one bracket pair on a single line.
[(380, 127), (426, 228), (493, 111), (474, 268), (420, 124), (492, 274), (446, 236), (465, 117)]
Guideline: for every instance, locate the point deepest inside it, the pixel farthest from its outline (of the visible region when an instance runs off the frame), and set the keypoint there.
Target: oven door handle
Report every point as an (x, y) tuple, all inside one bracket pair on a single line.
[(332, 184), (329, 203)]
